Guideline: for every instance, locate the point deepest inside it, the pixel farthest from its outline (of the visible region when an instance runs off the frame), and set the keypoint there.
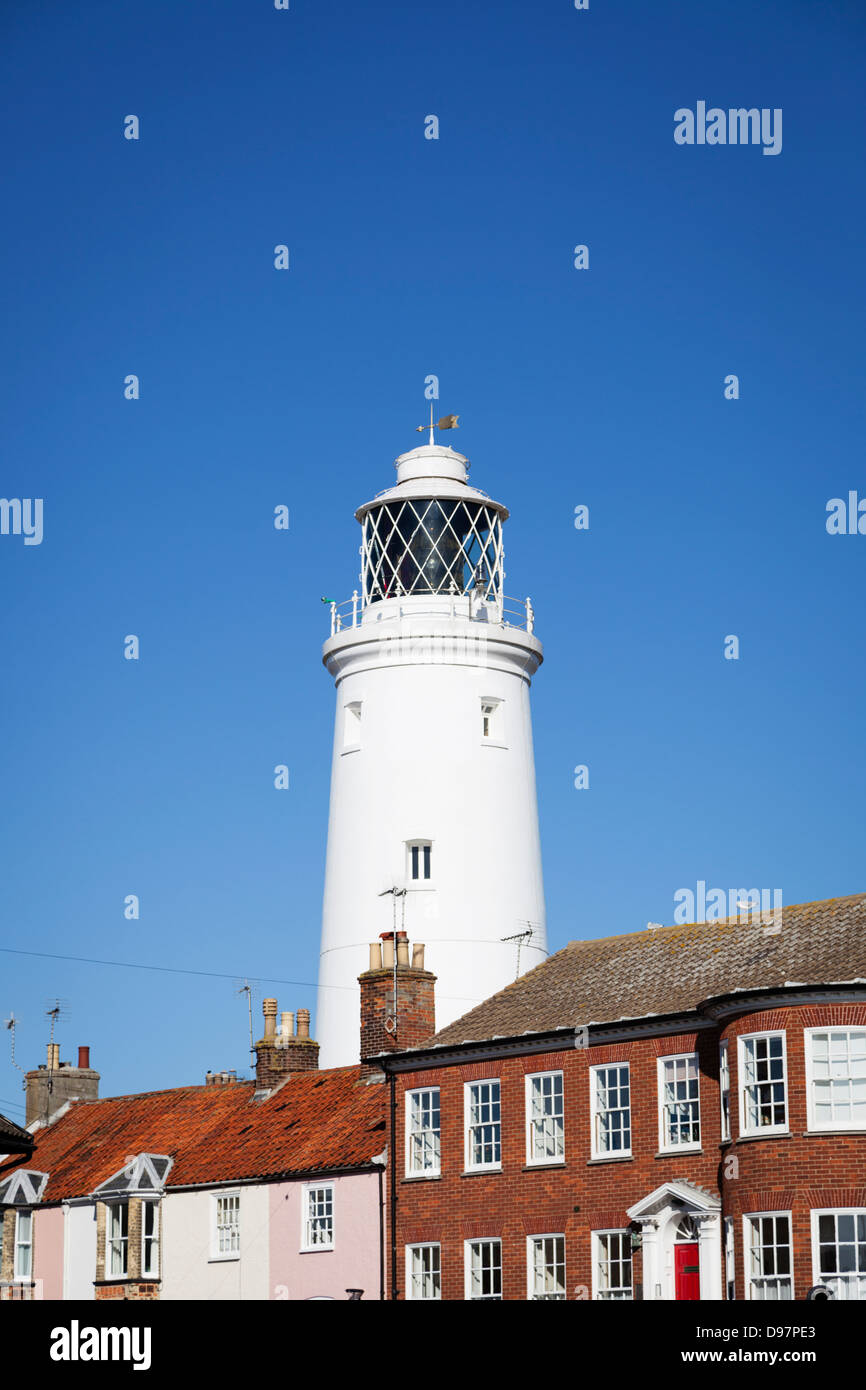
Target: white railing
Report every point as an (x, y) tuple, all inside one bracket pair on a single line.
[(507, 612)]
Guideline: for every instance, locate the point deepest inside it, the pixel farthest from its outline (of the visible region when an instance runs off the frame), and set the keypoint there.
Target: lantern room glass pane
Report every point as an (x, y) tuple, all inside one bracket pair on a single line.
[(432, 546)]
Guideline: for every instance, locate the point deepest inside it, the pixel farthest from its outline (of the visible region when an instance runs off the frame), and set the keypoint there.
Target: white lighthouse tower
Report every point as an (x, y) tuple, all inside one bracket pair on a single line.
[(433, 821)]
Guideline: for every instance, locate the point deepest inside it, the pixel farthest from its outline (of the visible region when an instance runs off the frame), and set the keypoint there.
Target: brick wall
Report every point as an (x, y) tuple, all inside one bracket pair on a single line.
[(582, 1195), (386, 1027), (274, 1063), (800, 1172)]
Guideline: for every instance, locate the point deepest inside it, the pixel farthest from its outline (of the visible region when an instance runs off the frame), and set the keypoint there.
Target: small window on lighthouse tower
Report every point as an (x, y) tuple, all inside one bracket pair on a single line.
[(352, 725), (491, 721), (419, 860)]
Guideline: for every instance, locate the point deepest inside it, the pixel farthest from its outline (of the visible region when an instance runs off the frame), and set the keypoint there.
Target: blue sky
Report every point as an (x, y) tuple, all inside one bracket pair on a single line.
[(601, 387)]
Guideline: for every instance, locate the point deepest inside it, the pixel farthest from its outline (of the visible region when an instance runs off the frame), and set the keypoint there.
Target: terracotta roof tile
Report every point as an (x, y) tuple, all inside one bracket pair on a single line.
[(670, 969), (316, 1121)]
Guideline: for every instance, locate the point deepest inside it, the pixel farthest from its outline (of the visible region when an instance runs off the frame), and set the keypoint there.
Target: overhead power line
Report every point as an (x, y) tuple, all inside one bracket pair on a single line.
[(164, 969), (208, 974)]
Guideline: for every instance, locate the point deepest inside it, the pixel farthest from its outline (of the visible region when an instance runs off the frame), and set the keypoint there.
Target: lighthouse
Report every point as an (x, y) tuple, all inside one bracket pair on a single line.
[(433, 824)]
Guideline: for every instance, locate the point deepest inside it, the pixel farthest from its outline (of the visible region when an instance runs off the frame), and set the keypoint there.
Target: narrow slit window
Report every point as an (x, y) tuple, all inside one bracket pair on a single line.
[(352, 725), (420, 861), (491, 721)]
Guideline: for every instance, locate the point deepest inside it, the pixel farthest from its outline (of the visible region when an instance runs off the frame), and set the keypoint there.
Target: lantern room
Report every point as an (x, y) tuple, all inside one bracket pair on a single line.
[(432, 533)]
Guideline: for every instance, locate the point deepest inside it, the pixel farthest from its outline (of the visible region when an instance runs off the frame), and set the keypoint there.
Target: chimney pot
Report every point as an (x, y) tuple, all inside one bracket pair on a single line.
[(269, 1009), (303, 1023), (418, 955), (402, 949), (287, 1025), (375, 955), (388, 950), (84, 1058), (53, 1056)]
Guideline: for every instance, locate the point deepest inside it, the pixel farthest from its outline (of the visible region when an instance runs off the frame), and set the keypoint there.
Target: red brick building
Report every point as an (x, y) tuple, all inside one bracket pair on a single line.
[(677, 1113)]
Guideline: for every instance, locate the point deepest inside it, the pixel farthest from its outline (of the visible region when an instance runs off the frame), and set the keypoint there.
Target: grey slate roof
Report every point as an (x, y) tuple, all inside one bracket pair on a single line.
[(14, 1139), (671, 969)]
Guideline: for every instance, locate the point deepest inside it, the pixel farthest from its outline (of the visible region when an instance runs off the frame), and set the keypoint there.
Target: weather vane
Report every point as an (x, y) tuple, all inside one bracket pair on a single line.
[(448, 422)]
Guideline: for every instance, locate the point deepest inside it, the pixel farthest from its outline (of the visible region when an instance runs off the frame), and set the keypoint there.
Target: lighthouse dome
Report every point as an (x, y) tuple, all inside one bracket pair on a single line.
[(432, 461)]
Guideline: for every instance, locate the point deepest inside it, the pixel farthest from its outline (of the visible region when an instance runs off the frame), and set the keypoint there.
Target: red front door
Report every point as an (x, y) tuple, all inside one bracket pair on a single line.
[(687, 1271)]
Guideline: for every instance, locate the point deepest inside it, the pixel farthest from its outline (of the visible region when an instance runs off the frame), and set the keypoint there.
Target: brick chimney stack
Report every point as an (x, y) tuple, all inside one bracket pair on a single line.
[(279, 1054), (389, 1023), (49, 1087)]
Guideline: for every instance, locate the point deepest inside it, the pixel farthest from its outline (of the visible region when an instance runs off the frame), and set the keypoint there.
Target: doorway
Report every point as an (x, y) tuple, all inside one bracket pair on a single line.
[(687, 1271)]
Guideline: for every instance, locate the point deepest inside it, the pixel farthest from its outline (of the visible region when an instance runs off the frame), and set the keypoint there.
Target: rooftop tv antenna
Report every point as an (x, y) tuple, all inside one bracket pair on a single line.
[(247, 989), (396, 892), (9, 1023), (520, 937), (59, 1009)]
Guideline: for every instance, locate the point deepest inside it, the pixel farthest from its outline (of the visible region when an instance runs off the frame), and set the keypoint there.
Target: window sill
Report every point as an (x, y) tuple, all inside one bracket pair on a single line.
[(765, 1134), (316, 1250), (479, 1172), (807, 1133), (492, 743), (421, 1177), (680, 1149), (612, 1158), (223, 1259), (534, 1164)]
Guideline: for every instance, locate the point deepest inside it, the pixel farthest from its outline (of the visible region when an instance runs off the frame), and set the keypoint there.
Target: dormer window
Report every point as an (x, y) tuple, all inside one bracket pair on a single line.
[(127, 1242)]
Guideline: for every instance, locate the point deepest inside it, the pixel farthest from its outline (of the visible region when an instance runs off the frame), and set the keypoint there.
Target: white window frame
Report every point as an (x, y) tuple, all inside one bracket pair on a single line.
[(217, 1226), (691, 1145), (430, 1170), (748, 1218), (532, 1293), (730, 1266), (352, 725), (150, 1268), (307, 1245), (117, 1216), (812, 1125), (763, 1130), (595, 1114), (496, 1165), (468, 1247), (22, 1217), (828, 1280), (421, 882), (493, 714), (725, 1091), (435, 1275), (532, 1158), (600, 1295)]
